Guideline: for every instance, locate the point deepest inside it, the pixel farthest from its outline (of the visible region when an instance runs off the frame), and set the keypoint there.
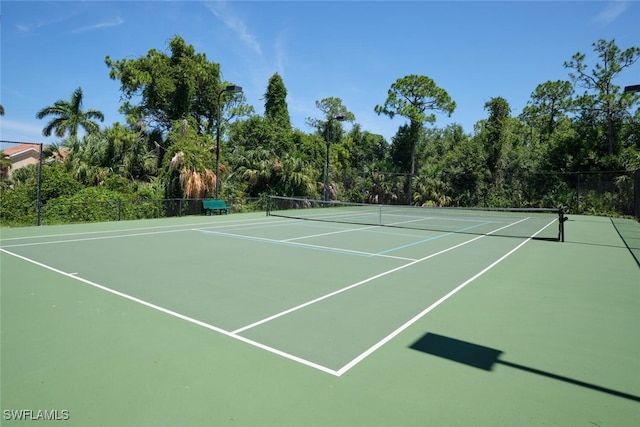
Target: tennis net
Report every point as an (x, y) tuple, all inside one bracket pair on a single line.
[(539, 223)]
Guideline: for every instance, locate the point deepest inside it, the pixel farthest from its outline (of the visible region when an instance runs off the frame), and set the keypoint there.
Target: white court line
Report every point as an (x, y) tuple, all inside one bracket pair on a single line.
[(362, 282), (420, 315), (349, 230), (93, 238), (234, 334), (124, 230), (182, 228), (287, 242), (74, 276)]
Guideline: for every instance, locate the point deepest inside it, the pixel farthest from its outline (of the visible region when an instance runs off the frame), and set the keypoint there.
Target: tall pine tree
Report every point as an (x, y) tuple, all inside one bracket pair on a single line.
[(275, 105)]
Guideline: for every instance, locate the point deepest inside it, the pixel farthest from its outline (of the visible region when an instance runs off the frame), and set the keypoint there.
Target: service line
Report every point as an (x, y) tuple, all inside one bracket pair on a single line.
[(362, 282)]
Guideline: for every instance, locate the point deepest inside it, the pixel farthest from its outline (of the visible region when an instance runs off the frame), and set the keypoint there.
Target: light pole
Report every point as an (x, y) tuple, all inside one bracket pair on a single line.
[(339, 118), (228, 89), (627, 89)]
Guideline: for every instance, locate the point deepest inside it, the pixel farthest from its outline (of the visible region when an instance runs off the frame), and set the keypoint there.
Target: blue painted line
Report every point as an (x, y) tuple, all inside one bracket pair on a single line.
[(461, 230), (339, 251), (414, 243)]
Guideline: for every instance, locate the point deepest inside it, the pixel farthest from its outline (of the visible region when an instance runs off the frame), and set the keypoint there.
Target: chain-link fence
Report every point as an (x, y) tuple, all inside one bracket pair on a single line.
[(595, 193), (614, 193), (121, 210)]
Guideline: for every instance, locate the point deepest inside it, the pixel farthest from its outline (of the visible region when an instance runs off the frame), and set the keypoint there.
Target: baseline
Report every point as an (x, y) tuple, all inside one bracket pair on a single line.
[(74, 276)]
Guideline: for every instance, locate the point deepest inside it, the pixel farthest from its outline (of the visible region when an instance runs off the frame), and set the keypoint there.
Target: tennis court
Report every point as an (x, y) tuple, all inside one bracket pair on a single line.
[(248, 319)]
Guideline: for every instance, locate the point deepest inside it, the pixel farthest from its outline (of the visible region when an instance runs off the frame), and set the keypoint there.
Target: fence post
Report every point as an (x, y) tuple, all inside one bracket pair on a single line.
[(39, 189), (578, 192), (636, 194)]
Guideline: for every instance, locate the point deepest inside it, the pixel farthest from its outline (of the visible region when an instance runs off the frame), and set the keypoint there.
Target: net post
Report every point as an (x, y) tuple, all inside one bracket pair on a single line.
[(268, 205), (561, 220)]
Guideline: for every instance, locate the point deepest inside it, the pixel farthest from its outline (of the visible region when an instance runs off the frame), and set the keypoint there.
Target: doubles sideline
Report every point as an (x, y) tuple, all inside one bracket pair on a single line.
[(142, 231)]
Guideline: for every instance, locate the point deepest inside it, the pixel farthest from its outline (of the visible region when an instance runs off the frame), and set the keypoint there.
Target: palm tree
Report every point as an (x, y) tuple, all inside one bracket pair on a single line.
[(69, 116), (258, 168), (295, 177), (187, 166), (195, 180), (56, 153), (88, 160), (130, 153)]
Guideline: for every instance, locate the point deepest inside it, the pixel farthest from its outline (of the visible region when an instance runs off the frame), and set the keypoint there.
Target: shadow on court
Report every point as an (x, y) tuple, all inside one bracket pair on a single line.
[(629, 232), (485, 358)]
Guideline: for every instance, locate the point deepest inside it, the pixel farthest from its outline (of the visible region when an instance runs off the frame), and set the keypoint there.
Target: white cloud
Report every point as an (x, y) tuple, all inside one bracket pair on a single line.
[(280, 54), (20, 131), (107, 24), (48, 17), (226, 16), (27, 28), (611, 12)]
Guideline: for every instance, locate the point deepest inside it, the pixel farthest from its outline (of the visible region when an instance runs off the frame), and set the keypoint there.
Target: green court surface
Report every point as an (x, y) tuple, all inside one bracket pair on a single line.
[(254, 320)]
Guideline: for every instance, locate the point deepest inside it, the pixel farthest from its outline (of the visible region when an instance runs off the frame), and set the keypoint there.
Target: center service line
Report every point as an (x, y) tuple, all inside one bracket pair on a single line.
[(362, 282), (424, 312)]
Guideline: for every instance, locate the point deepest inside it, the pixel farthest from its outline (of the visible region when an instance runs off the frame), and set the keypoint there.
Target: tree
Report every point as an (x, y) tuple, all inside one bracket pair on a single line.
[(550, 102), (171, 87), (601, 95), (464, 167), (328, 126), (129, 153), (417, 98), (187, 167), (295, 178), (88, 159), (5, 164), (256, 168), (367, 147), (401, 152), (275, 105), (69, 116), (56, 153), (276, 127), (1, 110), (508, 152), (494, 134), (252, 133)]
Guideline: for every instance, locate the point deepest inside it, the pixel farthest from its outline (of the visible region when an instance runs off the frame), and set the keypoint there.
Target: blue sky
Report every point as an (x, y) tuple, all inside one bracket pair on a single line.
[(353, 50)]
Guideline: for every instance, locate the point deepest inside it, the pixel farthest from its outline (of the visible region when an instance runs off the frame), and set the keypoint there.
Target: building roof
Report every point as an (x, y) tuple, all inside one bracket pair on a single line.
[(20, 148)]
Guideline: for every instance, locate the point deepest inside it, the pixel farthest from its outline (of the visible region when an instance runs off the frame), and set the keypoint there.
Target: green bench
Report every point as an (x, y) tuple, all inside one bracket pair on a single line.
[(215, 206)]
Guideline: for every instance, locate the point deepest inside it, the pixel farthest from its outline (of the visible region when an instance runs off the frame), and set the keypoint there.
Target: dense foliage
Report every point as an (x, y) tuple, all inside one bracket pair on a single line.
[(575, 145)]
